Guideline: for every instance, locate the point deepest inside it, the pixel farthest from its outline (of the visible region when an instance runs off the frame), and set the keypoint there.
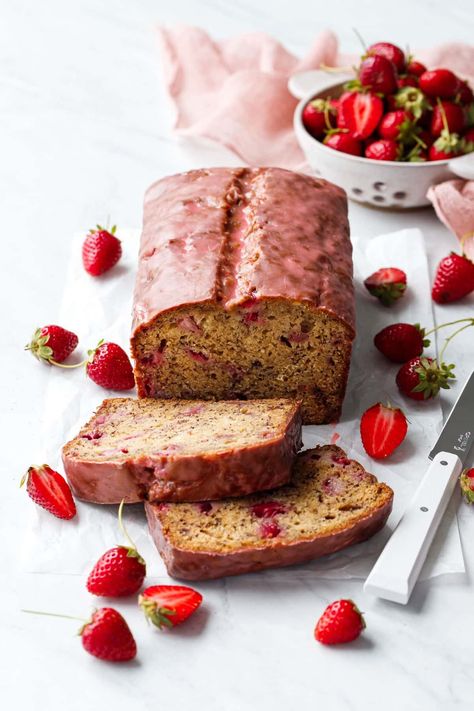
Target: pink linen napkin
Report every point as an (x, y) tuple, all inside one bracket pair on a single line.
[(235, 91), (453, 202)]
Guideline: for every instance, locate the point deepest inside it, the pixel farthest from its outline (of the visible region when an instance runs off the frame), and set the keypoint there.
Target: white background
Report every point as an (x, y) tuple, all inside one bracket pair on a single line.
[(84, 128)]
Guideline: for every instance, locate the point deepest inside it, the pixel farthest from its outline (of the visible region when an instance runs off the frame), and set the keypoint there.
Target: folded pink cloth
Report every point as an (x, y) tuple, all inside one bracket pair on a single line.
[(235, 91), (453, 201)]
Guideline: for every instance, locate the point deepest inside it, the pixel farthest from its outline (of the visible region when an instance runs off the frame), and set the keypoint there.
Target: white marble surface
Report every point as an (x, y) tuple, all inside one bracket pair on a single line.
[(84, 128)]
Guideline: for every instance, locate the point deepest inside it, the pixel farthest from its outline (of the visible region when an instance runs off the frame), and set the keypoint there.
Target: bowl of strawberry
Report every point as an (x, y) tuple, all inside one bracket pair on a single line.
[(388, 132)]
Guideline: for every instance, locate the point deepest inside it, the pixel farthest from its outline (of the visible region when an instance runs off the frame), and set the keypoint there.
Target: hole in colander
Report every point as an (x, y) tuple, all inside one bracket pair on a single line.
[(357, 191), (378, 198), (379, 186), (400, 195)]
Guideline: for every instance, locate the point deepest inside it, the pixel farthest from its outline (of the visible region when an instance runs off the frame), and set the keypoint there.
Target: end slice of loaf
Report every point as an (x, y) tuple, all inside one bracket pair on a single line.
[(182, 450), (331, 503)]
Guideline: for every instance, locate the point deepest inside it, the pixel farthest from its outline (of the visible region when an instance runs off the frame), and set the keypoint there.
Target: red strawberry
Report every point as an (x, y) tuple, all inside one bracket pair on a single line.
[(359, 113), (101, 250), (52, 343), (442, 83), (466, 481), (412, 100), (387, 284), (422, 378), (169, 605), (107, 636), (407, 80), (110, 367), (446, 115), (50, 490), (415, 68), (378, 74), (400, 342), (437, 152), (119, 571), (396, 125), (454, 279), (382, 430), (344, 142), (390, 51), (383, 149), (340, 622), (318, 117), (465, 93)]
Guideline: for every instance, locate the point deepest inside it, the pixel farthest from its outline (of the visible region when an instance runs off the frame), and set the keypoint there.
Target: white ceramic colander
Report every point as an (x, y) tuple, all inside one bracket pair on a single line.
[(378, 183)]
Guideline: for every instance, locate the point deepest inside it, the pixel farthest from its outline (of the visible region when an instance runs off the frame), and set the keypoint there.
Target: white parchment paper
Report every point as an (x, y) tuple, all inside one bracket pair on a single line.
[(101, 308)]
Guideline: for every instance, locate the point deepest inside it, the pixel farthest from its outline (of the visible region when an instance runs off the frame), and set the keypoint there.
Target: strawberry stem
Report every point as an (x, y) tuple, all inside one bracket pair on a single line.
[(62, 365), (122, 526), (465, 237), (360, 38), (451, 323), (335, 70), (453, 335), (54, 614)]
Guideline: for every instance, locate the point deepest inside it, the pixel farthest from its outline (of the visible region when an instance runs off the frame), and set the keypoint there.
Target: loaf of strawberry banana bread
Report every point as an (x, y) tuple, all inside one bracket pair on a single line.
[(330, 503), (244, 289), (181, 450)]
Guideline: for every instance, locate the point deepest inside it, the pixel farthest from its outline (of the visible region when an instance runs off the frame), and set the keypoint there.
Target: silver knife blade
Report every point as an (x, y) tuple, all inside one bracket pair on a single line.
[(457, 434)]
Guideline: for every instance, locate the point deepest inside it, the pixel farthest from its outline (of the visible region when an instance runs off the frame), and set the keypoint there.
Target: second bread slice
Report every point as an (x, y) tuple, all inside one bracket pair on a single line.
[(182, 450)]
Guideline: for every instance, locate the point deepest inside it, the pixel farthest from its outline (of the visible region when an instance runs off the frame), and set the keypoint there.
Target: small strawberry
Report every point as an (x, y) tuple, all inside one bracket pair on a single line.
[(387, 284), (107, 636), (119, 571), (465, 93), (415, 68), (52, 344), (466, 481), (445, 147), (378, 74), (340, 622), (359, 113), (110, 367), (50, 490), (390, 51), (442, 83), (169, 605), (422, 378), (344, 142), (396, 125), (382, 429), (400, 342), (318, 117), (383, 149), (446, 115), (407, 80), (454, 279), (101, 250)]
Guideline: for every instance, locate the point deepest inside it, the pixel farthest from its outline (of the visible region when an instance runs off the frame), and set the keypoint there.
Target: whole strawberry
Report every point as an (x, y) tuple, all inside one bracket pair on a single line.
[(387, 284), (318, 117), (119, 571), (400, 342), (107, 636), (446, 116), (396, 125), (415, 68), (52, 344), (454, 279), (49, 489), (383, 149), (109, 366), (101, 250), (344, 142), (466, 482), (378, 74), (391, 52), (169, 605), (421, 378), (382, 430), (439, 83), (340, 622)]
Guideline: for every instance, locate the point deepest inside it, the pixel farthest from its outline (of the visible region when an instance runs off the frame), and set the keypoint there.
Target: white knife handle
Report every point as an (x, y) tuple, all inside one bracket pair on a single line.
[(396, 571)]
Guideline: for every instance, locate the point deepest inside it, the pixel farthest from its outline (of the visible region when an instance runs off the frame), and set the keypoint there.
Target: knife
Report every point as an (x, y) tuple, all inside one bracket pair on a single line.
[(396, 571)]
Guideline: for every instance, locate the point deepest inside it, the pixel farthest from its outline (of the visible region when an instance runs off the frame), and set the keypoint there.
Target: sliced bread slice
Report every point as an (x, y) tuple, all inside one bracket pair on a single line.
[(182, 450), (331, 503)]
